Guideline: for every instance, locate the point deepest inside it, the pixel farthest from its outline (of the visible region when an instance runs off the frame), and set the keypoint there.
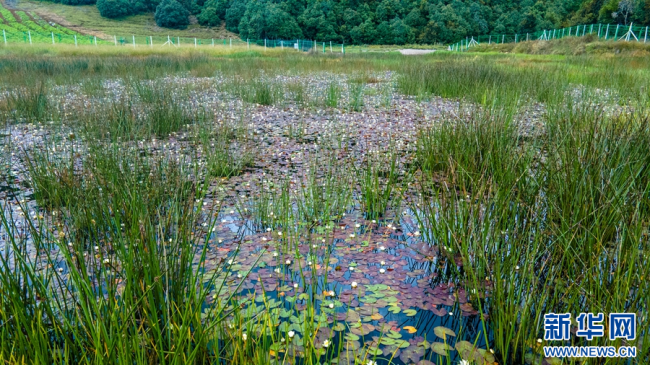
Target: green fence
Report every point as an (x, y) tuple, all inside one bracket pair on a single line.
[(602, 31), (30, 37)]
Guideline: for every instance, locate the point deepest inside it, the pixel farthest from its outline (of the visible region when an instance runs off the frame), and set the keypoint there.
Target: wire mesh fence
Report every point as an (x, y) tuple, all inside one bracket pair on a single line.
[(602, 31), (31, 37)]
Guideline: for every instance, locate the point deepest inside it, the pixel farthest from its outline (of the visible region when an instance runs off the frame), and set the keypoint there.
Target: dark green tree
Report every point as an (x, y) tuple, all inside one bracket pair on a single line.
[(365, 33), (234, 14), (114, 8), (171, 14), (266, 20), (213, 13)]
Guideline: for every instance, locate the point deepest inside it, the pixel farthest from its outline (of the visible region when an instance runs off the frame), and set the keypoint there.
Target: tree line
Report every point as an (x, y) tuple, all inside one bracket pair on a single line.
[(378, 21)]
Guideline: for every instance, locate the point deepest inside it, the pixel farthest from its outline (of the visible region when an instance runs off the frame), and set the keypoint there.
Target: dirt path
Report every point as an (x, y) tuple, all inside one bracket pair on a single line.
[(63, 22), (416, 51)]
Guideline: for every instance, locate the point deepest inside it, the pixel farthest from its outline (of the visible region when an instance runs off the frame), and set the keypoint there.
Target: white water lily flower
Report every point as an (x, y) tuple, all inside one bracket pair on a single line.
[(354, 284), (370, 362), (275, 254), (288, 262), (463, 362), (295, 285), (244, 336), (539, 340), (326, 343), (331, 305), (383, 263), (381, 248), (291, 334), (357, 225), (381, 271), (331, 293)]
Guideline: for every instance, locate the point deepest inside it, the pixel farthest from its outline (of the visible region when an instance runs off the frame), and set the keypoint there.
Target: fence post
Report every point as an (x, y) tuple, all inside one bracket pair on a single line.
[(212, 42), (133, 35), (53, 38), (503, 39), (264, 44), (115, 39), (599, 26), (194, 42), (616, 34), (95, 41), (646, 34), (230, 42), (178, 41), (4, 35), (248, 43), (29, 33), (151, 41), (607, 32), (75, 40)]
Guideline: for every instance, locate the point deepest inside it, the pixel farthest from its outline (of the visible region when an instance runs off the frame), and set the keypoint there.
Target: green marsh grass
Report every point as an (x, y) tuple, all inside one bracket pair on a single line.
[(470, 151), (569, 240), (120, 263), (380, 184), (332, 95), (324, 192), (28, 103), (356, 94)]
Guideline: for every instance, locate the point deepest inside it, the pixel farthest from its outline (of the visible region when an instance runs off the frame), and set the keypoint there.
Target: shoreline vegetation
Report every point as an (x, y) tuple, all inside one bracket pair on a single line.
[(250, 207)]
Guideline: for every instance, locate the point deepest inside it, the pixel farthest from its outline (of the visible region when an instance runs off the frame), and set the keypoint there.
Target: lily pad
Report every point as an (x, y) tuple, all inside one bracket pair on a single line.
[(443, 332), (441, 348)]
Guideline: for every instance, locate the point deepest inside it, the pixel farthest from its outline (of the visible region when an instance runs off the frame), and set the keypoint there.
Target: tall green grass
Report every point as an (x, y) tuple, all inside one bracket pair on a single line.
[(571, 239)]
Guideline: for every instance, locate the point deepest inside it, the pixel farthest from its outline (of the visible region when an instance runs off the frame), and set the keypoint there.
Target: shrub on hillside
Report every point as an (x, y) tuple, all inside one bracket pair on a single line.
[(213, 13), (171, 14), (113, 8)]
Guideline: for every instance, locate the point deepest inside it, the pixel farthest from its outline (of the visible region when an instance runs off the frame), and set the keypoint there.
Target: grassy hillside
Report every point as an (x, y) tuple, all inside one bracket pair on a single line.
[(18, 25), (589, 44), (86, 19)]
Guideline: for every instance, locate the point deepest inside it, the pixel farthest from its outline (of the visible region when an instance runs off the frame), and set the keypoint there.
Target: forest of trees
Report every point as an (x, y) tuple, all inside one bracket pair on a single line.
[(379, 21)]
